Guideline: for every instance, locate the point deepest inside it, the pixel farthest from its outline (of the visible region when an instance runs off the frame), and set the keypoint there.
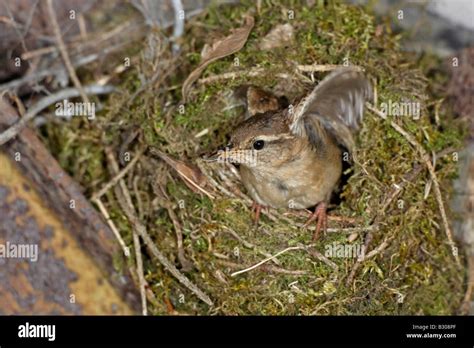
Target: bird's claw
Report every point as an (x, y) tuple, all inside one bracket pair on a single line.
[(256, 208), (321, 217)]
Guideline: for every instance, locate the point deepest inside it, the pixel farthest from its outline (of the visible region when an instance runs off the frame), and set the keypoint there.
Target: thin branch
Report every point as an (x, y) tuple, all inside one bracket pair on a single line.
[(316, 254), (186, 177), (118, 176), (378, 249), (136, 239), (185, 263), (126, 250), (140, 228), (231, 75), (64, 54), (324, 67), (351, 229), (141, 276), (43, 103), (239, 238), (396, 190), (202, 166), (163, 200)]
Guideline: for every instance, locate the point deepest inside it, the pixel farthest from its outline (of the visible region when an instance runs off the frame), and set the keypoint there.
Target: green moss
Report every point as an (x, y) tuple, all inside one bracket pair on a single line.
[(415, 274)]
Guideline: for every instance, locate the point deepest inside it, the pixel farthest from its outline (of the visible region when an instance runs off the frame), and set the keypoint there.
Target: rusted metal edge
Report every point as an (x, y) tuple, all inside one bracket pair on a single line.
[(85, 224)]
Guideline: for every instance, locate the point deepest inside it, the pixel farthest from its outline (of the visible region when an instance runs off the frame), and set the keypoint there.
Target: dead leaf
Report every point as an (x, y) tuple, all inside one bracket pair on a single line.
[(191, 175), (279, 36), (220, 49)]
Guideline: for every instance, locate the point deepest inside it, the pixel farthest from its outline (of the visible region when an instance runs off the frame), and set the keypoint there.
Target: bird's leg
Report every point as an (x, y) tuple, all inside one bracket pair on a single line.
[(321, 217), (256, 208)]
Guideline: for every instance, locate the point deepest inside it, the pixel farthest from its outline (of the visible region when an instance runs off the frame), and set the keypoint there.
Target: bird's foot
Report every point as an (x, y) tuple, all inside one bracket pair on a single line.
[(257, 208), (321, 217), (331, 217)]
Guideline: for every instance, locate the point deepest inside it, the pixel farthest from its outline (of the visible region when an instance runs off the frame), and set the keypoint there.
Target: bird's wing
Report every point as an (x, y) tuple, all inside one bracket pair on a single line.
[(335, 105)]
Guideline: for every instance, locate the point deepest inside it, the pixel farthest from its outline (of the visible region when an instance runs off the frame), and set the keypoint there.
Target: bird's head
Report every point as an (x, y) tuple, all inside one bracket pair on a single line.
[(261, 142)]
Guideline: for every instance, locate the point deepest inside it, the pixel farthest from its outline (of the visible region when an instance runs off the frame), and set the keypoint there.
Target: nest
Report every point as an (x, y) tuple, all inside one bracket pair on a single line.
[(390, 204)]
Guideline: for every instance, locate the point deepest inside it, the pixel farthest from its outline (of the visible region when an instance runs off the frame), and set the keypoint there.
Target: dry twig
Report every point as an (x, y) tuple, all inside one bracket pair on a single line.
[(378, 249), (136, 240), (317, 255), (185, 263), (140, 228), (126, 250), (43, 103), (324, 67), (64, 54), (118, 176), (231, 75)]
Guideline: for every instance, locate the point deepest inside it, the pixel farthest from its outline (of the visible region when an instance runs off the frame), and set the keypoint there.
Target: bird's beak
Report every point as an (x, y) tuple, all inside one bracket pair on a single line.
[(212, 158), (233, 155), (222, 155)]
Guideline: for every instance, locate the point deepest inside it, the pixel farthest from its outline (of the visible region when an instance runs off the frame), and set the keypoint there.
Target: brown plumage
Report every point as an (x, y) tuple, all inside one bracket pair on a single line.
[(292, 157)]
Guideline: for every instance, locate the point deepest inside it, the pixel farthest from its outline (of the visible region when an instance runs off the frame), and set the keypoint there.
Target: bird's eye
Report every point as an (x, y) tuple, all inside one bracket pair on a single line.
[(258, 144)]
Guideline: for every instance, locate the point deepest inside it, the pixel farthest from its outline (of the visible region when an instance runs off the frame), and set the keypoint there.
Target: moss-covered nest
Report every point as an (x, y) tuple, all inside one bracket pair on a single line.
[(413, 270)]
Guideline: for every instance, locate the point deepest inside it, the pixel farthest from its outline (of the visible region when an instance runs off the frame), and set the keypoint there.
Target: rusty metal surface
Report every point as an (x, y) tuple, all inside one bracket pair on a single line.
[(75, 246), (60, 278)]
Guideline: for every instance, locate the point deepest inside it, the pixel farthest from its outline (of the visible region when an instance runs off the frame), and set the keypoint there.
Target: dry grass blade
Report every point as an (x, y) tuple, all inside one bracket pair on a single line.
[(220, 49), (270, 258)]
